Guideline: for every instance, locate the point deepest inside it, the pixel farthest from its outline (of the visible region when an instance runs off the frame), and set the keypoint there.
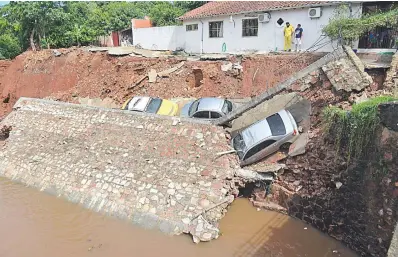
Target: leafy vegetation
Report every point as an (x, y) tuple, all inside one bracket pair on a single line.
[(351, 28), (39, 24), (353, 131)]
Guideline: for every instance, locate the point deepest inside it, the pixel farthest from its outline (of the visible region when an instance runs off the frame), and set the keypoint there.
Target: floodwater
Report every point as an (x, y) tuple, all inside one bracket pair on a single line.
[(34, 224)]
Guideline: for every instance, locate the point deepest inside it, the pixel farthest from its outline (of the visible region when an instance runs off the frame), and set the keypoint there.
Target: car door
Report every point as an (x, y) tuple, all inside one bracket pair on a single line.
[(260, 151), (202, 115), (215, 115)]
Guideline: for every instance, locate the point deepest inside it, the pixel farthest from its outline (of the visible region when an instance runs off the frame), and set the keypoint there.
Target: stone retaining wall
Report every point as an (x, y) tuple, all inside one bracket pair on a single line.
[(158, 172)]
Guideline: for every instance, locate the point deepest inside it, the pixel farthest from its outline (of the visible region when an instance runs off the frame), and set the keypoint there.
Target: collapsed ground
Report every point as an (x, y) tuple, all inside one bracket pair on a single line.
[(80, 73), (307, 188)]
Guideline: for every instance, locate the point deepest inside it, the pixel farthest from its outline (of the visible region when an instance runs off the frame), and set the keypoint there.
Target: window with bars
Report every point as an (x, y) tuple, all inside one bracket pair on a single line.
[(216, 29), (249, 27), (191, 27)]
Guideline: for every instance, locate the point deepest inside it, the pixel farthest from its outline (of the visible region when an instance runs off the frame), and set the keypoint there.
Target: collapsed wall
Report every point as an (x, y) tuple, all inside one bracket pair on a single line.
[(354, 203), (158, 172)]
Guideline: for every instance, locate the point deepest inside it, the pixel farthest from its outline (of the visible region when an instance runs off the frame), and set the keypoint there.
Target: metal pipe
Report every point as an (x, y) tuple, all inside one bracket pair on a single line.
[(201, 39)]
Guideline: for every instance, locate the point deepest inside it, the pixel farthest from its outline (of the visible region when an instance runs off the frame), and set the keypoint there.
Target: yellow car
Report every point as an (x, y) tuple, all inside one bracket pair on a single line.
[(151, 105)]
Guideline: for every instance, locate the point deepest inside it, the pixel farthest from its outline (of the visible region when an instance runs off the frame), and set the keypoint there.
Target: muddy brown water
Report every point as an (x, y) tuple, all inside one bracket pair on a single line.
[(34, 224)]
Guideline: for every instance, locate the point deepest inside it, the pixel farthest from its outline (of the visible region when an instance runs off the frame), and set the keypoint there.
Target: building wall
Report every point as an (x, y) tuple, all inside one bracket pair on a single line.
[(160, 38), (270, 35), (106, 40)]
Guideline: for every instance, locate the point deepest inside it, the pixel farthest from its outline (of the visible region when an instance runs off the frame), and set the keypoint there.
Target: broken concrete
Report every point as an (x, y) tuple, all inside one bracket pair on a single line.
[(393, 250), (99, 49), (391, 81), (265, 109), (148, 53), (165, 73), (347, 74), (152, 75), (150, 170), (213, 57), (125, 50), (280, 87)]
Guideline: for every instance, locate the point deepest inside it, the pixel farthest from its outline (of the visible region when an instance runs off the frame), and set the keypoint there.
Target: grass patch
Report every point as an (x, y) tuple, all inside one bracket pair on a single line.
[(354, 130)]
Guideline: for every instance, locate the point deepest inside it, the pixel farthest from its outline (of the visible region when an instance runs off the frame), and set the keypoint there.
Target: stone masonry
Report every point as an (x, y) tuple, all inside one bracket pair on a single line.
[(158, 172)]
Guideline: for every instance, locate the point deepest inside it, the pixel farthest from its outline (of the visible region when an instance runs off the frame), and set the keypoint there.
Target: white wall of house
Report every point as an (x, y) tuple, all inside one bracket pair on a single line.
[(160, 38), (270, 35)]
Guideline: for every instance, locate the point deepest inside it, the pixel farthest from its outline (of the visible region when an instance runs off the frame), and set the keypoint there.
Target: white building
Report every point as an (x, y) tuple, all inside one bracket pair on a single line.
[(234, 27)]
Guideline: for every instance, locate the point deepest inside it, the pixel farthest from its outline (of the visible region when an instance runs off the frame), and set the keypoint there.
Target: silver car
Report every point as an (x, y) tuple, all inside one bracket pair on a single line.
[(265, 137), (207, 108)]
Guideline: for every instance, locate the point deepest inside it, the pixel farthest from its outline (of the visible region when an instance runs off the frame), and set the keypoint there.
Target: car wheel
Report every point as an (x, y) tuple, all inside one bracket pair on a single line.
[(285, 146)]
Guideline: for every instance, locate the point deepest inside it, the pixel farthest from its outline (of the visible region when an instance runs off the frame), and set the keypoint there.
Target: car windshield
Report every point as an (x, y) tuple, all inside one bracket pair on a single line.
[(154, 105), (227, 107), (193, 108), (276, 125), (239, 145)]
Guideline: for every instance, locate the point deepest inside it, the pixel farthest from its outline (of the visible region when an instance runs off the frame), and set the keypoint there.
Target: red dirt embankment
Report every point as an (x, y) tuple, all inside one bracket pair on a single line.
[(84, 74)]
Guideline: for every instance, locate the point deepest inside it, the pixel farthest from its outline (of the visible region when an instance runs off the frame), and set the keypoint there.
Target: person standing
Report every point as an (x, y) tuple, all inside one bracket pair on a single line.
[(288, 32), (298, 35)]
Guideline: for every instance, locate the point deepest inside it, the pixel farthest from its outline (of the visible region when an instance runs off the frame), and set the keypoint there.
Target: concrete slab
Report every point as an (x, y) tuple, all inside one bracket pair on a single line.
[(263, 110), (99, 49), (152, 75), (375, 64), (213, 57), (156, 171), (149, 53), (298, 146), (125, 50)]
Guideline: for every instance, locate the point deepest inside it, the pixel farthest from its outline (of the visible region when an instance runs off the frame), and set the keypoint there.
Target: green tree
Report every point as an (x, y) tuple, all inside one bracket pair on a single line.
[(351, 28), (120, 14), (35, 18), (165, 14), (39, 24), (9, 42), (9, 46), (189, 5)]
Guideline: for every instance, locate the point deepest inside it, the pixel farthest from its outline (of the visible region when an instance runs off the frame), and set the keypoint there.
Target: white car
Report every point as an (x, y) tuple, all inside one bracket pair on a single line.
[(265, 137), (207, 108)]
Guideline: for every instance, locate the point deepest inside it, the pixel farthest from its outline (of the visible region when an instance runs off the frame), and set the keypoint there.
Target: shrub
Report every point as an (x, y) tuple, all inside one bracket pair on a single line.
[(354, 130)]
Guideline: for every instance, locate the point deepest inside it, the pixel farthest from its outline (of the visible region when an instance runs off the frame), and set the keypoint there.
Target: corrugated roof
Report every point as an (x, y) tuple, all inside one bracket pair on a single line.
[(234, 7)]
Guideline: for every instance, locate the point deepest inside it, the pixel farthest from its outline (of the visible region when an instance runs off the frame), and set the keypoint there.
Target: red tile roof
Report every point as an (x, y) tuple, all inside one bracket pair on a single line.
[(234, 7)]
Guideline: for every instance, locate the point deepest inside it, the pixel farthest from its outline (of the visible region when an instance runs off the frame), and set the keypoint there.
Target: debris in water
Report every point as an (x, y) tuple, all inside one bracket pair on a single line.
[(338, 185), (305, 228)]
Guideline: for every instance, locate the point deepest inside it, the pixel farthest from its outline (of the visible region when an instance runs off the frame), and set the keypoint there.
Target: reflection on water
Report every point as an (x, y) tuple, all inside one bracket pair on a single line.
[(34, 224)]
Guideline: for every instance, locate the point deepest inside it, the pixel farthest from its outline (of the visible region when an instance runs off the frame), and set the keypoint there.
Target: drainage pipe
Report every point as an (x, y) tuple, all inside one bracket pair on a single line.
[(201, 39)]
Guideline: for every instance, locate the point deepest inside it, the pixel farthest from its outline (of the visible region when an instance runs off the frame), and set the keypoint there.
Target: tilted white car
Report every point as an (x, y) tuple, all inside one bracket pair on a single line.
[(265, 137)]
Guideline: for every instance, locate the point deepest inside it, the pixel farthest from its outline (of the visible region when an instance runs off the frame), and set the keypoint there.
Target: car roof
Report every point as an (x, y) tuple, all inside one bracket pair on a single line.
[(138, 103), (261, 130), (210, 104), (256, 133)]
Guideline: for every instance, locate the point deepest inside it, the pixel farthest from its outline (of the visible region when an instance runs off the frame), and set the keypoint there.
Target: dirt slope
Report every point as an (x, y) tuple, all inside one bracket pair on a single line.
[(78, 72)]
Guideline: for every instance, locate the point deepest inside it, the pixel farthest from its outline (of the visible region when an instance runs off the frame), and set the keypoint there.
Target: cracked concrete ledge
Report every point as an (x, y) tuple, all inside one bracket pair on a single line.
[(393, 250), (158, 172), (22, 100)]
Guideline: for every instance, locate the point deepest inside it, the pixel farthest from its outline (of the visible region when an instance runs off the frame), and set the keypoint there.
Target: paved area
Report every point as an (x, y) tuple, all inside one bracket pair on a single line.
[(157, 172)]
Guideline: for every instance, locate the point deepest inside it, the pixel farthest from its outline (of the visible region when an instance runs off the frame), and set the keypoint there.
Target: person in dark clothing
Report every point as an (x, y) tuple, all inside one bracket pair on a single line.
[(298, 34)]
